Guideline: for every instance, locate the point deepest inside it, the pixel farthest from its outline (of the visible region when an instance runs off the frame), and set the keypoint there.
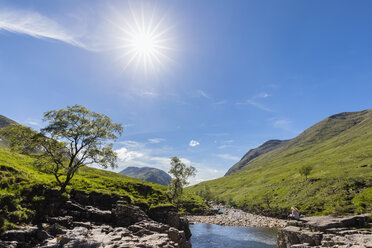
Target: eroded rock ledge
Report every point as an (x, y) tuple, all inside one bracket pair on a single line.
[(327, 231), (124, 225)]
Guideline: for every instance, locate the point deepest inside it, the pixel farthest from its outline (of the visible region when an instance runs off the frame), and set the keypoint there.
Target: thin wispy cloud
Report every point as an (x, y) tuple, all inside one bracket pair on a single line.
[(155, 140), (258, 105), (200, 93), (35, 25), (217, 134), (32, 122), (285, 125), (220, 102), (228, 157), (223, 146), (254, 102)]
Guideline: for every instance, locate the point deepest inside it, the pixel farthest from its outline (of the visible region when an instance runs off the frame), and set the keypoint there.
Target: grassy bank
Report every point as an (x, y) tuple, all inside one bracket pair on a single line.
[(20, 177)]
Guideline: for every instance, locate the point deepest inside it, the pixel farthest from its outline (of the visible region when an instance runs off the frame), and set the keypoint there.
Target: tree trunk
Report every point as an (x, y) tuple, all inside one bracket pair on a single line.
[(64, 185)]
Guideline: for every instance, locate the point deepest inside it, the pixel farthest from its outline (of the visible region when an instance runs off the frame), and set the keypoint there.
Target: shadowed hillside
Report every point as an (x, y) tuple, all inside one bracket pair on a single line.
[(339, 151), (4, 121)]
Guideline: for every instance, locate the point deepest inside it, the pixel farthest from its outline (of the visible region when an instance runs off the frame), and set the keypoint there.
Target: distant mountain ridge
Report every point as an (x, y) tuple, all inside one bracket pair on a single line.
[(5, 121), (149, 174)]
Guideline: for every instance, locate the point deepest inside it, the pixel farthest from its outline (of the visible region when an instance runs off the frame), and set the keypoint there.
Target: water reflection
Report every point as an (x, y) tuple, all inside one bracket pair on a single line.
[(215, 236)]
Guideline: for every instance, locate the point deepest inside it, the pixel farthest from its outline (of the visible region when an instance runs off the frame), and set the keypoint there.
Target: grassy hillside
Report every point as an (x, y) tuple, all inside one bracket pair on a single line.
[(339, 149), (19, 178), (254, 153)]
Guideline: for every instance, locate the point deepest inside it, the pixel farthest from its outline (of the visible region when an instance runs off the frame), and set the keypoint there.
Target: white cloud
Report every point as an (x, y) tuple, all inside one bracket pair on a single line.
[(204, 173), (228, 157), (155, 140), (194, 143), (36, 25), (125, 155), (141, 157)]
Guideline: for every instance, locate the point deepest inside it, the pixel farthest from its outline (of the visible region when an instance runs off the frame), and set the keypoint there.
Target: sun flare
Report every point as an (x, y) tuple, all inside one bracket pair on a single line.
[(145, 41)]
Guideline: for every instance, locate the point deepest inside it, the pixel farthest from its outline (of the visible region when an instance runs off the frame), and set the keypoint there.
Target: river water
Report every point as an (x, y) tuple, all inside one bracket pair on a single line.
[(215, 236)]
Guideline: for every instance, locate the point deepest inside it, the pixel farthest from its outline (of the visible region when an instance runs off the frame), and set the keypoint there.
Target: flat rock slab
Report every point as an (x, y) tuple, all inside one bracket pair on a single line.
[(322, 223)]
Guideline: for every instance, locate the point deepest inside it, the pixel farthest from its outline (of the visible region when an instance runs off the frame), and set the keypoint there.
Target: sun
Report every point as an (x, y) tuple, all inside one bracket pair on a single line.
[(145, 41)]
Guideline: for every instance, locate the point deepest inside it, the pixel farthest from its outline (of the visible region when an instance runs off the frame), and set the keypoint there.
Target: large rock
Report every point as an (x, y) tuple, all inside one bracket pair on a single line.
[(291, 235), (98, 200), (125, 215), (25, 237), (90, 213), (326, 231), (168, 215), (323, 223)]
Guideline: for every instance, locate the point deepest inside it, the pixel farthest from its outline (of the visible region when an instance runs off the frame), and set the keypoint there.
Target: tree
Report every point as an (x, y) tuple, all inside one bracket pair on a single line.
[(180, 174), (206, 193), (73, 138), (20, 138), (267, 199), (305, 170)]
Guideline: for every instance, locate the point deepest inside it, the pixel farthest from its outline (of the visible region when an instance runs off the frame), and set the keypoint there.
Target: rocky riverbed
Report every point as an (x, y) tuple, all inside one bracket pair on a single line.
[(236, 217), (124, 225)]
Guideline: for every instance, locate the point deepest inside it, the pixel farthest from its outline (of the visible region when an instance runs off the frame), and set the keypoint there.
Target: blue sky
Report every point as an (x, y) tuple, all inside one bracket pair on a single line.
[(235, 73)]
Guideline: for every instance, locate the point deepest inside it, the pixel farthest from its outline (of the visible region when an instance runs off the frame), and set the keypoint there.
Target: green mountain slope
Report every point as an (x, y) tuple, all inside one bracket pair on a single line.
[(148, 174), (339, 149), (254, 153), (23, 187)]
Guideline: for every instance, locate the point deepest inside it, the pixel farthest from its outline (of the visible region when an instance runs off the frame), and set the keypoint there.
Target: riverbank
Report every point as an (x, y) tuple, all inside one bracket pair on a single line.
[(124, 225), (327, 231), (237, 217)]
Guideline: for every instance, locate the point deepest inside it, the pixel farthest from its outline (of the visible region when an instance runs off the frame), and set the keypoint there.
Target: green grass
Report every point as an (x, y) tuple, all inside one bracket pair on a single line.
[(18, 172), (19, 176), (336, 148)]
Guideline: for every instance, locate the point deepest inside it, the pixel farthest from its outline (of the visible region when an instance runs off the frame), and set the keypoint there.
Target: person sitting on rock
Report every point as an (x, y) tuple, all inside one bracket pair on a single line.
[(294, 215)]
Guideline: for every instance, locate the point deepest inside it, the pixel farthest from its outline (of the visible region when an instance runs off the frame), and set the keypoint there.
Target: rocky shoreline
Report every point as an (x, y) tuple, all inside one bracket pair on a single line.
[(237, 217), (327, 231), (71, 224)]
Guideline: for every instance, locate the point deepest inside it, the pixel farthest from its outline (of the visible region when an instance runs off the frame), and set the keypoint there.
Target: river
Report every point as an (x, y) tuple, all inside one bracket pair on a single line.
[(216, 236)]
